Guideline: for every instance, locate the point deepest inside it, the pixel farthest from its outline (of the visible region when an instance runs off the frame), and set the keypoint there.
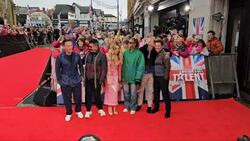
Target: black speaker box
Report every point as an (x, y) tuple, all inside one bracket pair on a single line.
[(45, 97)]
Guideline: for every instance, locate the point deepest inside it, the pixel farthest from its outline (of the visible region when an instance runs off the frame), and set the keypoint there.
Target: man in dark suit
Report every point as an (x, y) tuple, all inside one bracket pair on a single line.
[(69, 70)]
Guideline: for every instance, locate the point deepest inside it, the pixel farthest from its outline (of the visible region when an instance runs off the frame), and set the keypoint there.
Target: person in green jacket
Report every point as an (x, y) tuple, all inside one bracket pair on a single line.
[(132, 73)]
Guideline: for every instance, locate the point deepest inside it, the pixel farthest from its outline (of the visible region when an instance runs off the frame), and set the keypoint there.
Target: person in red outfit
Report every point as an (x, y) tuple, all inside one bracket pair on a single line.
[(213, 44), (82, 47), (194, 47), (180, 48), (55, 53)]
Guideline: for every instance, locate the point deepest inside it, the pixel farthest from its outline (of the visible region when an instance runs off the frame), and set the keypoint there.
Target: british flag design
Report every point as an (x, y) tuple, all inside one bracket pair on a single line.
[(188, 79)]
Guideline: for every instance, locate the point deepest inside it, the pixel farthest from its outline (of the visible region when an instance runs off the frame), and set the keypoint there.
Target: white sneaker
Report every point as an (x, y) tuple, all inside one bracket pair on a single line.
[(132, 112), (102, 113), (125, 110), (88, 114), (79, 114), (68, 118)]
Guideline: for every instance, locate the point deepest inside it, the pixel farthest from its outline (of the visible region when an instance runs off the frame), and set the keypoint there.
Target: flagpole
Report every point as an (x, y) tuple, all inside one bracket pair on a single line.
[(118, 15), (91, 15), (59, 22), (5, 13), (28, 17)]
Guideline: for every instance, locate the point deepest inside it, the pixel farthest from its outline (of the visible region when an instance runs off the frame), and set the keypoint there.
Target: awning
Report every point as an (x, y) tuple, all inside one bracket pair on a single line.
[(138, 8), (154, 1), (168, 3)]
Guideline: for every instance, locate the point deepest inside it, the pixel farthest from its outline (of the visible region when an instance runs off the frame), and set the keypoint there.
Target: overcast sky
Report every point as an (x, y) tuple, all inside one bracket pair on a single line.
[(52, 3)]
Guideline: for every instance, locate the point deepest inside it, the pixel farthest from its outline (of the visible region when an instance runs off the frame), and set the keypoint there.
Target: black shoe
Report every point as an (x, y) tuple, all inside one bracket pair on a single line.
[(149, 110), (155, 110), (167, 115), (138, 108)]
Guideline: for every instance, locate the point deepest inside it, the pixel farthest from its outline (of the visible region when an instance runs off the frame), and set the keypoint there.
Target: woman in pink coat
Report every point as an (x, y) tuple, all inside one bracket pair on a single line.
[(112, 84)]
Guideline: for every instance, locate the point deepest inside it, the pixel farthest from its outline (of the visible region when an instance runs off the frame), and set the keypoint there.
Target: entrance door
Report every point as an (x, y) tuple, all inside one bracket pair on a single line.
[(243, 64), (233, 28)]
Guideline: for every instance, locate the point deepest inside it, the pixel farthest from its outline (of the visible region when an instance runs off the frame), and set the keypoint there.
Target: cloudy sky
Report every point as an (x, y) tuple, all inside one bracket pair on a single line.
[(52, 3)]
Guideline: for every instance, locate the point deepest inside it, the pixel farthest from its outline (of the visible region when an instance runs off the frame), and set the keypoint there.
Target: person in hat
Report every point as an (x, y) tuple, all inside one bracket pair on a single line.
[(132, 73)]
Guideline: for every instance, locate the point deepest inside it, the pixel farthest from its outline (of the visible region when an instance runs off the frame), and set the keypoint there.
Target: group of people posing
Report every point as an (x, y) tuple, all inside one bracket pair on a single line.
[(119, 65)]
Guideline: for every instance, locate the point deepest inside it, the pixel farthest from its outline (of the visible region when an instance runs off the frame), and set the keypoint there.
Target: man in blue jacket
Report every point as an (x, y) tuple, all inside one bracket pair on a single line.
[(69, 70)]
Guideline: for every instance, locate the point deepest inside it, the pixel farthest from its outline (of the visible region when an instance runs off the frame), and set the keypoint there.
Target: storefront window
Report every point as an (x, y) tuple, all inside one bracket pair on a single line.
[(174, 17)]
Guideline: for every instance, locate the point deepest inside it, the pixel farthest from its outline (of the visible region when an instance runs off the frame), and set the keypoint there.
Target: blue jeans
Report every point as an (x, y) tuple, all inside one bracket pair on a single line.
[(130, 96)]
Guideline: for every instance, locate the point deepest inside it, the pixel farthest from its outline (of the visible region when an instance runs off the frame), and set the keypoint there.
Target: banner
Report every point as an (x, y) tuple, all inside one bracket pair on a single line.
[(198, 26), (188, 78)]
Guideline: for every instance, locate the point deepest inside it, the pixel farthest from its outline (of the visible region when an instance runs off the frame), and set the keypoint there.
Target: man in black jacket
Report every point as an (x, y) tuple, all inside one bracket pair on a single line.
[(69, 75), (147, 83), (161, 78), (95, 73)]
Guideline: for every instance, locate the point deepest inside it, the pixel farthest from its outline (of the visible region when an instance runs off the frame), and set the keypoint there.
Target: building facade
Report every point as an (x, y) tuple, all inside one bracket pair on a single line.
[(63, 13), (79, 14), (110, 22), (32, 16), (228, 18), (39, 19), (7, 11), (130, 7), (212, 9), (172, 13), (239, 33)]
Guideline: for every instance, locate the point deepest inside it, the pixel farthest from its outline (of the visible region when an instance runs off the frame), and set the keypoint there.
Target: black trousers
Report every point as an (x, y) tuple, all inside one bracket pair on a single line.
[(160, 84), (67, 97), (91, 91)]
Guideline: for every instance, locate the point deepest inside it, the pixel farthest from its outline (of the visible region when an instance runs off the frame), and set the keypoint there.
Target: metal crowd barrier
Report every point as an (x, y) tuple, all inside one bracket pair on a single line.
[(222, 74), (13, 44)]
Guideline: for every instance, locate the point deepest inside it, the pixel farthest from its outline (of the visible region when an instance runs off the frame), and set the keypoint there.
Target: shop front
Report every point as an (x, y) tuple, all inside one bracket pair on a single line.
[(238, 42), (173, 14)]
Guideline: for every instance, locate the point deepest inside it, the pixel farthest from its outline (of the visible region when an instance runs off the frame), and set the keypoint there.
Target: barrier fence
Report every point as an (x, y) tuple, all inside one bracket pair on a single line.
[(13, 44), (222, 74)]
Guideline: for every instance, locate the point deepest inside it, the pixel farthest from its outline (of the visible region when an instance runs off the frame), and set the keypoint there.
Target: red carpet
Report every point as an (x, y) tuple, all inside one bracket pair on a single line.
[(204, 120), (20, 74), (197, 120)]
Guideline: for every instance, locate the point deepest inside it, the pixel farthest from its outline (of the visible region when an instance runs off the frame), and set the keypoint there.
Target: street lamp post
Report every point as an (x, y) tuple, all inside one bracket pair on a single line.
[(150, 10), (118, 15), (219, 17), (5, 12), (187, 8)]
